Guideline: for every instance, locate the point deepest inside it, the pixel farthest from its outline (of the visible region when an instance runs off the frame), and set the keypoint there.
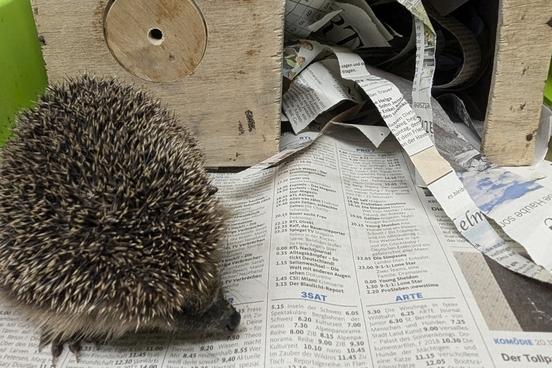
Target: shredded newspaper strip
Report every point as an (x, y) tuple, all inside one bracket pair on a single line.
[(425, 64), (469, 48)]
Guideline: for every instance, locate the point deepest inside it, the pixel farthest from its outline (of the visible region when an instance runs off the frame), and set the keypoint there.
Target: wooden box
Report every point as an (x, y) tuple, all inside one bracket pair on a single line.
[(216, 63), (522, 55)]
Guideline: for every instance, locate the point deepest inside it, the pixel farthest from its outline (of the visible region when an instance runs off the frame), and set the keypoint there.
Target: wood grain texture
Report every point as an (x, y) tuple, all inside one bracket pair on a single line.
[(159, 41), (232, 99), (523, 49)]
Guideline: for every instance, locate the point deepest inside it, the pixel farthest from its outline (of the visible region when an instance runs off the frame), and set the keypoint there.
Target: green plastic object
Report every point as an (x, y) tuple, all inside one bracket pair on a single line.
[(22, 72), (548, 88)]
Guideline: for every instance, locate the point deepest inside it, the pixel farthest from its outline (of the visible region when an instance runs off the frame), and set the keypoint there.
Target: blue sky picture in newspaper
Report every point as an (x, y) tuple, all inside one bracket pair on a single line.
[(496, 187)]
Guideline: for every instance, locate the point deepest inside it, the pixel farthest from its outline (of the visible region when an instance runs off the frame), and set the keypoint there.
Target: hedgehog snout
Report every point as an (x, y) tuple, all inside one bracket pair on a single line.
[(219, 317), (225, 316)]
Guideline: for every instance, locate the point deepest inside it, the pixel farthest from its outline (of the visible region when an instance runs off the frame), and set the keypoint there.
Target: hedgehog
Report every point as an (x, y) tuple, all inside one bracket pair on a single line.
[(109, 224)]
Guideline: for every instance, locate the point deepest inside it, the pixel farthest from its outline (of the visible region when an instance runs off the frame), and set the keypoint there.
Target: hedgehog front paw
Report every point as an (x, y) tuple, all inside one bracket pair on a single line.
[(75, 348), (58, 347)]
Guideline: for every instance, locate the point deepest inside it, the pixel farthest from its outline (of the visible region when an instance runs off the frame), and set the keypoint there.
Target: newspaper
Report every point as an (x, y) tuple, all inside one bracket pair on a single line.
[(290, 144), (456, 107), (375, 134), (317, 89), (515, 202), (515, 198), (546, 168), (300, 14), (349, 23), (443, 182), (423, 77), (334, 259), (471, 53), (366, 8), (425, 64)]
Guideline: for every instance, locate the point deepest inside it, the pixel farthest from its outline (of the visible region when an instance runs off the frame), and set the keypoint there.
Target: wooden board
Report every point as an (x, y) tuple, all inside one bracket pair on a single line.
[(228, 93), (522, 56)]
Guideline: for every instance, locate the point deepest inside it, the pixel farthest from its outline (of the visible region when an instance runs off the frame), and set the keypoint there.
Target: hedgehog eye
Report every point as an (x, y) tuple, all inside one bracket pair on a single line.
[(212, 190)]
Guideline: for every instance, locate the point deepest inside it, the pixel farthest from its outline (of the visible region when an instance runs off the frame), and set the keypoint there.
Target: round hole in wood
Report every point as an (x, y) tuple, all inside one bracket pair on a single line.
[(161, 41), (155, 36)]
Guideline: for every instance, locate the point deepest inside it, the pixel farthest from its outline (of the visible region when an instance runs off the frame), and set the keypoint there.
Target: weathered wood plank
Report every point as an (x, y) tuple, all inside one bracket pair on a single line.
[(523, 49), (231, 101)]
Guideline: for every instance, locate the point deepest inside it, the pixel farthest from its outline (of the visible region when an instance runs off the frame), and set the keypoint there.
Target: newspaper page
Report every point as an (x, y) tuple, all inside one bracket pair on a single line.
[(334, 259)]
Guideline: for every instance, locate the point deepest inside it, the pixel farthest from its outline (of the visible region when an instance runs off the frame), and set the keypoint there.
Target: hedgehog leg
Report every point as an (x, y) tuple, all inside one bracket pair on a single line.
[(75, 347), (57, 349)]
